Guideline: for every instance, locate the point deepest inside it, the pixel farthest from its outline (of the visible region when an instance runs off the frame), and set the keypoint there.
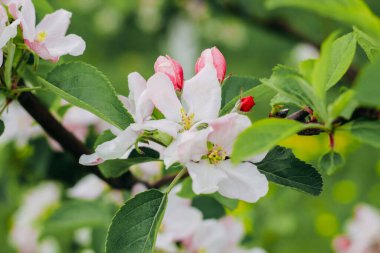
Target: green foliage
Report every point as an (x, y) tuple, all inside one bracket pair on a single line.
[(351, 12), (136, 224), (290, 84), (336, 57), (76, 214), (367, 85), (210, 207), (343, 106), (330, 162), (262, 136), (86, 87), (370, 44), (282, 167), (235, 86), (367, 132)]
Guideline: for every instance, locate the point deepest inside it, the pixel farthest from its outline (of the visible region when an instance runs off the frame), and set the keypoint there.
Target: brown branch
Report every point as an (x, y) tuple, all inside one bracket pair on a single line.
[(66, 139)]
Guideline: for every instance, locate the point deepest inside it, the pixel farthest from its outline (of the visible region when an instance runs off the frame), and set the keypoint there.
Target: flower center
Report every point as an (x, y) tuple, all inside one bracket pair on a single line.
[(41, 36), (216, 155), (187, 120)]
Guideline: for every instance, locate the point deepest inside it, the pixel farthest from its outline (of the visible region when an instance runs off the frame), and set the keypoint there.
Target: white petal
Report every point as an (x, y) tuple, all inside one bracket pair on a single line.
[(202, 95), (235, 229), (181, 221), (243, 182), (89, 187), (144, 108), (89, 160), (205, 176), (117, 147), (55, 25), (8, 33), (210, 237), (71, 44), (253, 250), (227, 128), (136, 85), (189, 146), (163, 125), (28, 20), (161, 91)]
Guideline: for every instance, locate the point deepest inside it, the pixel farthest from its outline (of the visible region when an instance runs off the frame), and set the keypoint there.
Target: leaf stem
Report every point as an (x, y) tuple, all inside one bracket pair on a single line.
[(175, 180)]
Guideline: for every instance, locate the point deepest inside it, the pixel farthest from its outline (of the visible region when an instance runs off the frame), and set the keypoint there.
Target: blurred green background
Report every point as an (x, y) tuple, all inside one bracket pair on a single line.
[(125, 36)]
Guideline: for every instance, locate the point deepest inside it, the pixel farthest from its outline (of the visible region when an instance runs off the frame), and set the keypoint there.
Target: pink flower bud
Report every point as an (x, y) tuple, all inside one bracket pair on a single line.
[(172, 69), (215, 57), (246, 104)]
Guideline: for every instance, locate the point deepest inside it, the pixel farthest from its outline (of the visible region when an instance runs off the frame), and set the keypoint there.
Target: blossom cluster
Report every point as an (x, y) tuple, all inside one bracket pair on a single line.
[(186, 112), (47, 39), (363, 232)]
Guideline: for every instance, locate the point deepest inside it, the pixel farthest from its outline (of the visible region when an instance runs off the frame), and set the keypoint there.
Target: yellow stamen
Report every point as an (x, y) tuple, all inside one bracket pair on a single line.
[(187, 120), (216, 155), (41, 36)]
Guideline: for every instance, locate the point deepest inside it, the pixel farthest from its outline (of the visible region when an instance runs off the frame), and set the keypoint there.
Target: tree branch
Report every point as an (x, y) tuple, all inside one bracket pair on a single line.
[(66, 139)]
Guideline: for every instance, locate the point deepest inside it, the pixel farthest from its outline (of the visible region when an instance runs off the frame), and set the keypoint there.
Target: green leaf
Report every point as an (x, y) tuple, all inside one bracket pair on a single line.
[(350, 12), (116, 168), (135, 226), (343, 106), (234, 86), (262, 136), (86, 87), (260, 93), (336, 57), (288, 83), (187, 189), (306, 69), (230, 204), (330, 162), (2, 127), (367, 132), (282, 167), (370, 44), (367, 85), (75, 214), (209, 206)]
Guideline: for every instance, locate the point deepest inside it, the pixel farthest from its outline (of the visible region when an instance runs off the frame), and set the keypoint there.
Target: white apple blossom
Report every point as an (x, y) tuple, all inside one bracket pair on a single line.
[(148, 172), (141, 108), (89, 187), (7, 31), (180, 221), (200, 102), (19, 126), (363, 232), (48, 39), (215, 172)]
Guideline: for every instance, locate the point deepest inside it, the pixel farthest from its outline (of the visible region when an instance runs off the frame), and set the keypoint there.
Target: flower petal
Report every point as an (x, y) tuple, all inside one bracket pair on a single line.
[(8, 33), (144, 108), (163, 125), (202, 94), (117, 147), (243, 182), (90, 160), (55, 25), (71, 44), (227, 128), (161, 91), (28, 20), (181, 221), (206, 176)]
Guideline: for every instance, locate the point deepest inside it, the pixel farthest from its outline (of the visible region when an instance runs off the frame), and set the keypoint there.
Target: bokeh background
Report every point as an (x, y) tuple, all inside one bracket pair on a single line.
[(125, 36)]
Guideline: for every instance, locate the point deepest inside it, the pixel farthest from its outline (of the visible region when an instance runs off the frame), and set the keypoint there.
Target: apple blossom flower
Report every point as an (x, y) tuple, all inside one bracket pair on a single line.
[(141, 108), (25, 232), (48, 38), (215, 172), (148, 172), (7, 31), (218, 236), (19, 125), (363, 233), (201, 102), (246, 104), (180, 221), (89, 187), (172, 69), (214, 57)]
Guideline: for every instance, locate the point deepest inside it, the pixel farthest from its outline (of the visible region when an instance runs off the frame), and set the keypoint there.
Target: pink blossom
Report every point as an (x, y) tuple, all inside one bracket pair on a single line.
[(214, 57), (48, 38), (172, 69)]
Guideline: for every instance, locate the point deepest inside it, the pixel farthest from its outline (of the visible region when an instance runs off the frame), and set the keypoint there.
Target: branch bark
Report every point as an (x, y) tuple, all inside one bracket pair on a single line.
[(66, 139)]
